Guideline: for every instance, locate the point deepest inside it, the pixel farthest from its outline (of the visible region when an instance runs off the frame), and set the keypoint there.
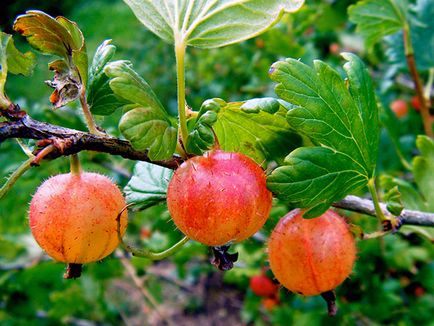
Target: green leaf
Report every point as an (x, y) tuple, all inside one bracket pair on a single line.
[(17, 62), (63, 38), (267, 104), (411, 198), (256, 128), (342, 123), (13, 61), (421, 199), (261, 136), (209, 23), (126, 83), (4, 40), (201, 136), (377, 19), (145, 123), (423, 166), (100, 97), (146, 129), (148, 185), (422, 39), (393, 200)]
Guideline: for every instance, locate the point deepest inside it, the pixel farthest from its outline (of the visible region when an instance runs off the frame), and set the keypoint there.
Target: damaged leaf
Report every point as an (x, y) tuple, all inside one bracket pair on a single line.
[(60, 37)]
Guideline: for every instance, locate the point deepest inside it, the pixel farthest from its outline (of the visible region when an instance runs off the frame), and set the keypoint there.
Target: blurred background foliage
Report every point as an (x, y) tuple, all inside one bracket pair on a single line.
[(393, 280)]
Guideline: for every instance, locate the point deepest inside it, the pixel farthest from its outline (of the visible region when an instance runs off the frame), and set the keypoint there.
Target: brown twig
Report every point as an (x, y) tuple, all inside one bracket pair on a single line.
[(69, 141), (427, 119)]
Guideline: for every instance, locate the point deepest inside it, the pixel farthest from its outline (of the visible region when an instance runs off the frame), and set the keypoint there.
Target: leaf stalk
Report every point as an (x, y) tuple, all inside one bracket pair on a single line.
[(87, 115), (373, 191), (180, 74)]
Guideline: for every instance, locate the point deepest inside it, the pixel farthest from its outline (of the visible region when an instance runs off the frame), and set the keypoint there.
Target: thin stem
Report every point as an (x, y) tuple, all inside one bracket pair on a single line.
[(411, 63), (75, 165), (144, 253), (180, 73), (373, 191), (87, 115), (180, 150), (15, 176), (375, 235)]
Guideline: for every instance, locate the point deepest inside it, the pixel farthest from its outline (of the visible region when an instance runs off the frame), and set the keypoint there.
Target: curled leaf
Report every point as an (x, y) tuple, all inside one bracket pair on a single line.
[(66, 87), (145, 123), (62, 37), (393, 201), (201, 136), (100, 97)]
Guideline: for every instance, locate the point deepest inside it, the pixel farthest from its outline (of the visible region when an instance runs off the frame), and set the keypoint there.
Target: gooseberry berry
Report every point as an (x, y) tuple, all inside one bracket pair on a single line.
[(311, 256), (219, 197), (262, 286), (270, 303), (73, 217), (400, 108)]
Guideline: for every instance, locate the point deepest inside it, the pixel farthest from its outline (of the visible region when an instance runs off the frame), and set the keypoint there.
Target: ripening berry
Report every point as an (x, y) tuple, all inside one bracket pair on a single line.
[(270, 303), (219, 197), (311, 256), (400, 108), (73, 217), (262, 286), (415, 103)]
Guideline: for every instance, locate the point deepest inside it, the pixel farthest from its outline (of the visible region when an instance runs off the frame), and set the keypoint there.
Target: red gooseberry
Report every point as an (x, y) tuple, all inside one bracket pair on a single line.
[(73, 217), (400, 108), (311, 256), (219, 197), (262, 286)]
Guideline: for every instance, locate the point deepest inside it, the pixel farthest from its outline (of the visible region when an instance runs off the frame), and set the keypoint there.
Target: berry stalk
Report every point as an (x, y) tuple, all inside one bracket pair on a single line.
[(75, 165)]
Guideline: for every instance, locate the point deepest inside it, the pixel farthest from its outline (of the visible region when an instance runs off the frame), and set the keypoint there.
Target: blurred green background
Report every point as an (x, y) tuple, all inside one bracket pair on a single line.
[(393, 280)]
